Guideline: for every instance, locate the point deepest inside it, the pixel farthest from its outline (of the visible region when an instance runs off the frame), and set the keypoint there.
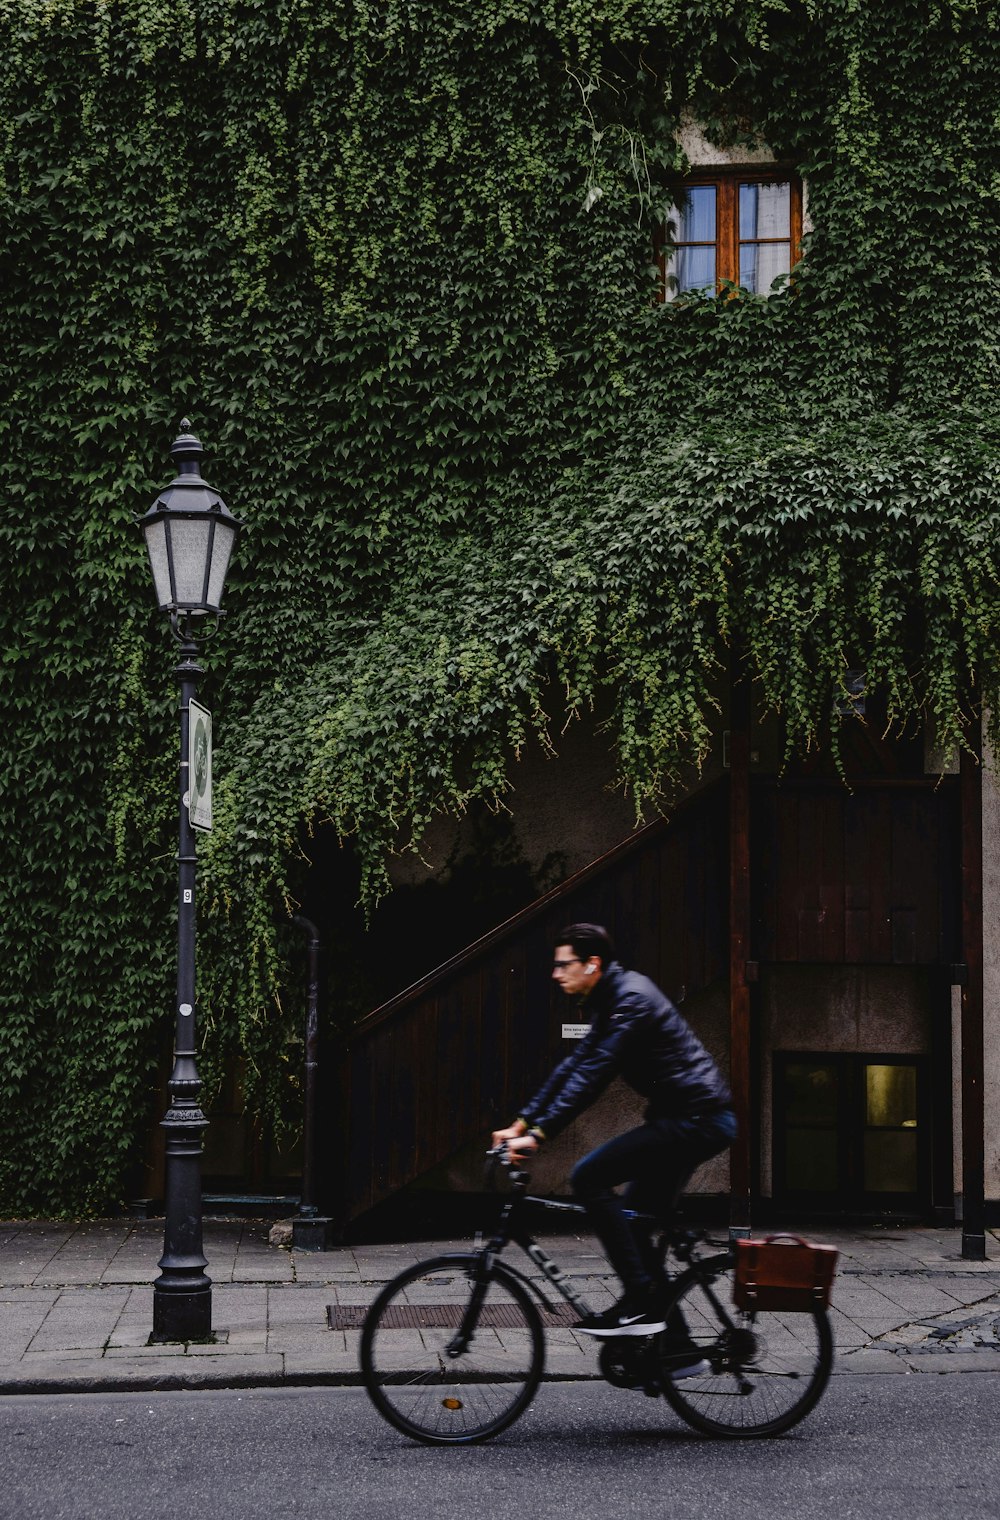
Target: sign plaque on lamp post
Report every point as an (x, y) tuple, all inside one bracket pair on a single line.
[(189, 533)]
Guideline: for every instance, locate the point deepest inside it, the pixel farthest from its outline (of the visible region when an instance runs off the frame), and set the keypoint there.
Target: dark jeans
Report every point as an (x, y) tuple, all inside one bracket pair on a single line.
[(656, 1161)]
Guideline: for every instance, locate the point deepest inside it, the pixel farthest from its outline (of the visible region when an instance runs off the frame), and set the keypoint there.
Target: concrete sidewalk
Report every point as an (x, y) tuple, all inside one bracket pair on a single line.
[(76, 1305)]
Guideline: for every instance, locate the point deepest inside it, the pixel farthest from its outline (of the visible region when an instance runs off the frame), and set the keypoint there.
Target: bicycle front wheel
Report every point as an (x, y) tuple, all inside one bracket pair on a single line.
[(767, 1370), (435, 1374)]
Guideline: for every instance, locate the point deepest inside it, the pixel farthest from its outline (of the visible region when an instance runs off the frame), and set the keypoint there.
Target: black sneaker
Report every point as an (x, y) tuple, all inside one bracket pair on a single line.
[(624, 1318)]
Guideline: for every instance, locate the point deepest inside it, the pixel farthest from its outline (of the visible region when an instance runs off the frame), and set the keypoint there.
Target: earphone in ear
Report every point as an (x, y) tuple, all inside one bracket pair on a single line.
[(590, 969)]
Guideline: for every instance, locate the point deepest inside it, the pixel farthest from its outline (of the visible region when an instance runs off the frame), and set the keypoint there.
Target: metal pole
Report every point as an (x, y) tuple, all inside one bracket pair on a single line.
[(307, 1203), (973, 1160), (310, 1230), (739, 950), (182, 1294)]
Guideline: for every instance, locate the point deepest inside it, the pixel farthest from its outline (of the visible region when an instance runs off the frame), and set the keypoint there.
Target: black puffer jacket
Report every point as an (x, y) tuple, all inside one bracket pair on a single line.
[(636, 1033)]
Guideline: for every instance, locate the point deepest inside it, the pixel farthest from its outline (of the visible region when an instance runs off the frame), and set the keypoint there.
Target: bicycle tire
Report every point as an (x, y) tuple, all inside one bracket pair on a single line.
[(767, 1371), (433, 1397)]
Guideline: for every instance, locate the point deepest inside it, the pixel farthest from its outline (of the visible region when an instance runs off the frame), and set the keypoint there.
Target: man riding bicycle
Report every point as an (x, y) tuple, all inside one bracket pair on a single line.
[(636, 1033)]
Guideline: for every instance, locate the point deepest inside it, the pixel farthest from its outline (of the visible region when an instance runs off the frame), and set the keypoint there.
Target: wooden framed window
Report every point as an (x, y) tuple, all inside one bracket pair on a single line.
[(739, 225)]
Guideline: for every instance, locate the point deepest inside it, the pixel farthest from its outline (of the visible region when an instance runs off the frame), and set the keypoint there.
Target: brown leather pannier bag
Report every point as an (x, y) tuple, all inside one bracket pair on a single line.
[(783, 1272)]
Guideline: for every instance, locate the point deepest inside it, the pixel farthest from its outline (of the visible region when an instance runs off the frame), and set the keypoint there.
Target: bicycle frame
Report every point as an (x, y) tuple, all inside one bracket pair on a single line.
[(510, 1229)]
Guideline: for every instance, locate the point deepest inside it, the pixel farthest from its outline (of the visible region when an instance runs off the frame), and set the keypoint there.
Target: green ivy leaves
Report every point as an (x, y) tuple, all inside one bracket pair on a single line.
[(488, 481)]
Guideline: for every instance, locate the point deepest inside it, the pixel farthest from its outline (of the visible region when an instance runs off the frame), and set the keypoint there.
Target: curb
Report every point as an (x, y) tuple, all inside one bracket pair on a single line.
[(201, 1382), (878, 1361)]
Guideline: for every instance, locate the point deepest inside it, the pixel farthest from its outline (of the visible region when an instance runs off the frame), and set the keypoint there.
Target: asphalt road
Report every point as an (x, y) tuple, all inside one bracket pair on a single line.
[(920, 1447)]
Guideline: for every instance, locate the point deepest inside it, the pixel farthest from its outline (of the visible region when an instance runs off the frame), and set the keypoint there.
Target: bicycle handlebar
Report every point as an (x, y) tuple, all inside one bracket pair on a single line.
[(499, 1155)]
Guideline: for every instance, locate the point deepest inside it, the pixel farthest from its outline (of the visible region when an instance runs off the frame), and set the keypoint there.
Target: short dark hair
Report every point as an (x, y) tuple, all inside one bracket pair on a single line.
[(587, 940)]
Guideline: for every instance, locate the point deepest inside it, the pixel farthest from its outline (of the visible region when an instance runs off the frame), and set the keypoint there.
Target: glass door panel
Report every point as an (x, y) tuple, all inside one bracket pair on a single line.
[(891, 1160), (812, 1104)]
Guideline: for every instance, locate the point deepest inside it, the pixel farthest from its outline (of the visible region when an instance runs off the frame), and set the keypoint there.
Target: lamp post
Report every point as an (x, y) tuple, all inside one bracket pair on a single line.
[(189, 533)]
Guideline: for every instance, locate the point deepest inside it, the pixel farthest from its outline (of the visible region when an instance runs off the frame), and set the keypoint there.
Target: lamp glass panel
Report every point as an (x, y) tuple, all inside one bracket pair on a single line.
[(156, 543), (222, 548), (189, 538)]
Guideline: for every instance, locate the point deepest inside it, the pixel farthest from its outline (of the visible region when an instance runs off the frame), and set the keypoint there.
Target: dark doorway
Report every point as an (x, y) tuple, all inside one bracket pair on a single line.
[(852, 1132)]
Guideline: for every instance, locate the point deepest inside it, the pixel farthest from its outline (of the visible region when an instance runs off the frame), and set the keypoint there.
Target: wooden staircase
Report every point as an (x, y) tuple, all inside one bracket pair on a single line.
[(443, 1063)]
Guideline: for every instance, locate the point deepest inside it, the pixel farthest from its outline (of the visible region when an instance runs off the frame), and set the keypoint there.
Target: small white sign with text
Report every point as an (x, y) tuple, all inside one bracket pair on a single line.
[(574, 1031)]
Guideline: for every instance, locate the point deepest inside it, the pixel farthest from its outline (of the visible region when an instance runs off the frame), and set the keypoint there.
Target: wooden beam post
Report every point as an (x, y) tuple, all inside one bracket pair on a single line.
[(973, 1165)]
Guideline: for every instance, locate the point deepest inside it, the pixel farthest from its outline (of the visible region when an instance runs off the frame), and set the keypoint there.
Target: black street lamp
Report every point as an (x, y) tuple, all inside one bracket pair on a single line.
[(189, 532)]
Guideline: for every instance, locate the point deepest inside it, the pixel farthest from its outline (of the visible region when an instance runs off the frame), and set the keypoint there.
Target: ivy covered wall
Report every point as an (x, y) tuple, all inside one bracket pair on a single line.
[(361, 246)]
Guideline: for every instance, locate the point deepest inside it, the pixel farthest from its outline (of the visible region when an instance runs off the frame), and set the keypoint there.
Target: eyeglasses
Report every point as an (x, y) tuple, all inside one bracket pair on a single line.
[(560, 965)]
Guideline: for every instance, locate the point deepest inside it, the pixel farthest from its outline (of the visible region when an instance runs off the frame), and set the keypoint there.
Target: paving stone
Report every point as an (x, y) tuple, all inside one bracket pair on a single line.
[(947, 1362), (298, 1341), (868, 1359), (844, 1343), (280, 1313), (251, 1335), (876, 1326), (50, 1356), (124, 1336), (142, 1352)]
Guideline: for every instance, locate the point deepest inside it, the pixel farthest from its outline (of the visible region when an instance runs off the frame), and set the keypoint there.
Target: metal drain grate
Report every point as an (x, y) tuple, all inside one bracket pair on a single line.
[(441, 1316)]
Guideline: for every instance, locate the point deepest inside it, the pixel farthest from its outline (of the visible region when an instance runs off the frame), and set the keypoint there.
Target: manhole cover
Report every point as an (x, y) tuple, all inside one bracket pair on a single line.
[(441, 1316)]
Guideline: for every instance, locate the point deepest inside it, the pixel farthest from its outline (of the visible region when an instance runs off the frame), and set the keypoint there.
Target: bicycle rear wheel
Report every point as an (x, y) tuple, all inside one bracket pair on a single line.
[(408, 1360), (767, 1369)]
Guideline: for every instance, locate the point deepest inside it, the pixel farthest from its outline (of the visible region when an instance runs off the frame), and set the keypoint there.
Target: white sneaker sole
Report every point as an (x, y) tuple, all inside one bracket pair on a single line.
[(644, 1327), (697, 1369)]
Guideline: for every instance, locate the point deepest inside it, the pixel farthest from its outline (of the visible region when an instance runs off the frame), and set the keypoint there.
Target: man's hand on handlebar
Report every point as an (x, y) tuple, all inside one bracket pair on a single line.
[(515, 1141)]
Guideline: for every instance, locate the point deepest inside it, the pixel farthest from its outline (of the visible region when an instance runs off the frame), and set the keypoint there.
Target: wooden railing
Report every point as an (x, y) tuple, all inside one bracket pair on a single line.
[(442, 1063)]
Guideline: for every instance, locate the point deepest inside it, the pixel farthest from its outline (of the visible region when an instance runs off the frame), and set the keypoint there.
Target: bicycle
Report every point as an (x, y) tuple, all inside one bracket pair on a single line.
[(453, 1374)]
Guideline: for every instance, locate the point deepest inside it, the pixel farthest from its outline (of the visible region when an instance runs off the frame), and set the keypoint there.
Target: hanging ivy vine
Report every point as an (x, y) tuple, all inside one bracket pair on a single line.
[(395, 259)]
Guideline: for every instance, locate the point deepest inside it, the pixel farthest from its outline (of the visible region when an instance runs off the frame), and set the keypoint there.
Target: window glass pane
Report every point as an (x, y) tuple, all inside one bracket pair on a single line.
[(762, 263), (810, 1093), (693, 268), (765, 211), (693, 221), (891, 1161), (891, 1097), (811, 1160)]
